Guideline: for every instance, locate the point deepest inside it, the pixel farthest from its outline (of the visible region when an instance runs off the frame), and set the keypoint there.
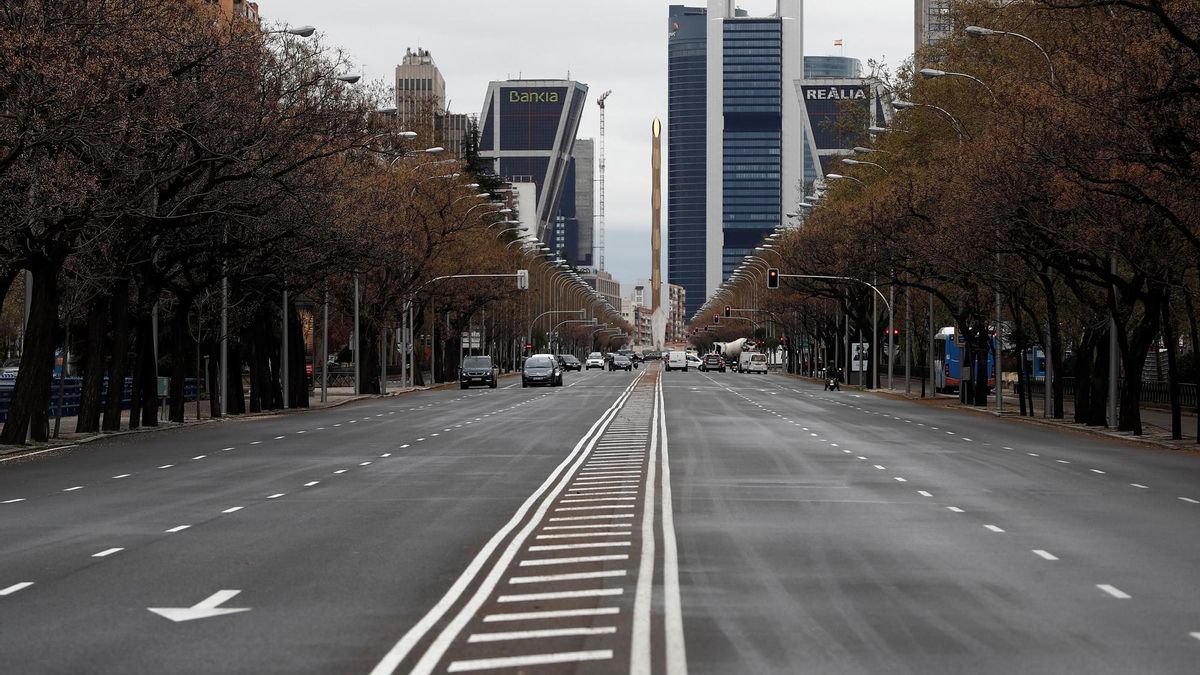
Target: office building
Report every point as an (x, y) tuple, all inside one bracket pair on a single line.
[(572, 236), (527, 133), (420, 92), (752, 142), (932, 24), (677, 315), (831, 67), (609, 288), (838, 105)]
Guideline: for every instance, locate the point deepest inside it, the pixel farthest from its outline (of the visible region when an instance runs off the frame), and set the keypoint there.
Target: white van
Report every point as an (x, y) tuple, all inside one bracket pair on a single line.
[(752, 362), (676, 361)]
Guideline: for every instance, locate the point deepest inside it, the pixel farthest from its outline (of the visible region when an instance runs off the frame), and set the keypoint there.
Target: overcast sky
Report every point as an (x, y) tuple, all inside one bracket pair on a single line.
[(606, 44)]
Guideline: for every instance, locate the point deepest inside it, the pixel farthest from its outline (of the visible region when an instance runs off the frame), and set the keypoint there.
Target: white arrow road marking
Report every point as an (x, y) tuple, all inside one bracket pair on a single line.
[(204, 609)]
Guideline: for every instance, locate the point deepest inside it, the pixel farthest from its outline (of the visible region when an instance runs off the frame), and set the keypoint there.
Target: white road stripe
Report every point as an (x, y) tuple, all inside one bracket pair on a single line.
[(1096, 471), (276, 495), (199, 457), (531, 660), (923, 493), (166, 466), (541, 562), (339, 472), (676, 651), (1139, 486), (72, 489), (597, 499), (993, 528), (561, 595), (901, 480), (107, 552), (15, 587), (1114, 591), (544, 633), (551, 614), (571, 576), (178, 528), (124, 475), (955, 509), (1195, 635), (599, 517), (1189, 500), (576, 535), (573, 547), (1046, 555), (232, 509), (21, 499), (880, 467), (311, 483)]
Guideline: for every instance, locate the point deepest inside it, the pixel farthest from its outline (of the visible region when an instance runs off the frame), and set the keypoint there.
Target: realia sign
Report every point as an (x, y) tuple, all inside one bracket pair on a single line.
[(835, 93), (532, 96)]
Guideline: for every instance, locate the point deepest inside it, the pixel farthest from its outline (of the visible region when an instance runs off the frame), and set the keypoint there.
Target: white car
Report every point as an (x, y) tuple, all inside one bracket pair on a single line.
[(694, 361), (676, 361), (594, 360)]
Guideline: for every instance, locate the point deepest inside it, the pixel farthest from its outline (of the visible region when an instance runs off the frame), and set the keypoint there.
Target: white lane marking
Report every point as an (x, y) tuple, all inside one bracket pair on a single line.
[(124, 475), (21, 499), (107, 552), (901, 480), (593, 508), (847, 452), (551, 614), (255, 442), (955, 509), (1189, 500), (993, 528), (1195, 635), (615, 493), (967, 439), (404, 446), (276, 495), (1007, 448), (1114, 591), (1033, 454), (199, 457), (1045, 555), (1096, 471), (301, 431), (232, 509), (597, 499), (570, 576), (364, 463), (311, 483), (675, 649), (16, 587), (880, 467), (178, 528), (279, 438), (541, 562), (598, 517), (923, 493), (861, 457), (340, 472), (166, 466), (530, 660), (1062, 461), (1139, 486), (538, 502), (543, 633), (575, 547), (420, 439), (950, 432), (72, 489), (561, 595), (386, 455)]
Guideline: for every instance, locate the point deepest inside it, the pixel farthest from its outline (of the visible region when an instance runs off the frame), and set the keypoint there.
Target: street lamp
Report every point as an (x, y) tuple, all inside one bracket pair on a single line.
[(299, 31), (855, 162), (934, 73), (838, 176), (981, 32), (909, 105)]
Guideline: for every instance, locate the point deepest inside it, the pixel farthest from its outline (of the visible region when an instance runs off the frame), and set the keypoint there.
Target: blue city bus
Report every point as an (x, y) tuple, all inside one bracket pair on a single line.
[(947, 362)]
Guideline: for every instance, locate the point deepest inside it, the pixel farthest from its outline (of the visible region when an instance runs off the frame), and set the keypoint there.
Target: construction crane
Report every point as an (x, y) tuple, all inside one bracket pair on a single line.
[(600, 216)]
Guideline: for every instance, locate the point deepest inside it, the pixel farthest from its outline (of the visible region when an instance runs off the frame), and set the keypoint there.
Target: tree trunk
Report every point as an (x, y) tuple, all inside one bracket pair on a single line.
[(28, 413), (297, 360), (1194, 324), (117, 366), (235, 389), (368, 352), (1172, 343), (93, 364), (1097, 415), (147, 382), (213, 376), (183, 353)]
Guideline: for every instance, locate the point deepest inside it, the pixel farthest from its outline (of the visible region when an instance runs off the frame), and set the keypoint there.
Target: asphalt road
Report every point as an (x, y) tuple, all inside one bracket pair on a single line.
[(628, 522)]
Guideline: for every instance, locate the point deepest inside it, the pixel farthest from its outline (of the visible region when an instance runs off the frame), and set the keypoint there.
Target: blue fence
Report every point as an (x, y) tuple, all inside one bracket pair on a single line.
[(72, 391)]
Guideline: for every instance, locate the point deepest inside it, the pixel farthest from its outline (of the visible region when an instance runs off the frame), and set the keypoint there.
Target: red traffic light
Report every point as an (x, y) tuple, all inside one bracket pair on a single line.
[(772, 278), (728, 311)]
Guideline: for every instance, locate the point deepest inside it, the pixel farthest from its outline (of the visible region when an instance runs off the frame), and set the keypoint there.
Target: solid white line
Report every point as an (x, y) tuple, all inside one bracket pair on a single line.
[(107, 552), (586, 527), (640, 650), (1139, 486), (593, 508), (597, 499), (531, 660), (993, 528), (923, 493), (561, 595), (599, 517), (541, 562), (552, 614), (572, 547), (614, 493), (576, 535), (232, 509), (178, 528), (1044, 554), (572, 576), (539, 501), (276, 496), (1114, 591), (676, 650), (16, 587), (544, 633)]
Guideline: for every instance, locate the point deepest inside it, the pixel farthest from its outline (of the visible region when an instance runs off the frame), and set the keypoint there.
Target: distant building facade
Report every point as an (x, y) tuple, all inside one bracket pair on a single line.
[(608, 288), (932, 22), (527, 133), (677, 315), (571, 238)]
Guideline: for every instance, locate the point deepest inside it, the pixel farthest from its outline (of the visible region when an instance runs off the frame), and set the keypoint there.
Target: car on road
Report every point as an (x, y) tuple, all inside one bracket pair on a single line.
[(595, 360), (693, 361), (541, 369), (753, 362), (569, 362), (674, 360), (712, 362), (620, 362), (477, 371)]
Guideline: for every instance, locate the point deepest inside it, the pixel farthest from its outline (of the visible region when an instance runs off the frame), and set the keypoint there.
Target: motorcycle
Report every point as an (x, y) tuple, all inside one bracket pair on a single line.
[(831, 384)]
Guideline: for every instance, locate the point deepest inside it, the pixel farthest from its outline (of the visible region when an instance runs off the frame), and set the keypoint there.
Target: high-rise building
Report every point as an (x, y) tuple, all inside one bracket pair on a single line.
[(420, 91), (753, 136), (584, 160), (237, 8), (687, 91), (528, 134), (932, 23), (838, 104), (609, 288)]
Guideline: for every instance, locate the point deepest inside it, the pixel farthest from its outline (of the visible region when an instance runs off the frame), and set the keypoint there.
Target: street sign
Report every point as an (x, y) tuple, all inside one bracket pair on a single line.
[(860, 353), (472, 339)]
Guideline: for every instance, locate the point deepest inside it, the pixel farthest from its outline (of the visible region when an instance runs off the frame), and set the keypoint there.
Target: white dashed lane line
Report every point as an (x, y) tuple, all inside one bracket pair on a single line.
[(107, 552), (1045, 555), (177, 528), (232, 509), (15, 587), (1114, 591)]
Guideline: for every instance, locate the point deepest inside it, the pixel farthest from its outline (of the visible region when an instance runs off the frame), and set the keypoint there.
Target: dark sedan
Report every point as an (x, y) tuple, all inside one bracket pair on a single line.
[(569, 362), (541, 369), (620, 362)]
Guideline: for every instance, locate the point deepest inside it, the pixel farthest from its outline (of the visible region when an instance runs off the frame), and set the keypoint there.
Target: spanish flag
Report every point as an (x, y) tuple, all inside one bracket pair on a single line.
[(837, 43)]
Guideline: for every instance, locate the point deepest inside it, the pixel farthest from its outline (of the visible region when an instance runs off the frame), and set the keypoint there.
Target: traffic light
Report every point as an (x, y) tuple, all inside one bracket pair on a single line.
[(522, 280), (728, 311), (528, 346), (716, 319), (773, 277)]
